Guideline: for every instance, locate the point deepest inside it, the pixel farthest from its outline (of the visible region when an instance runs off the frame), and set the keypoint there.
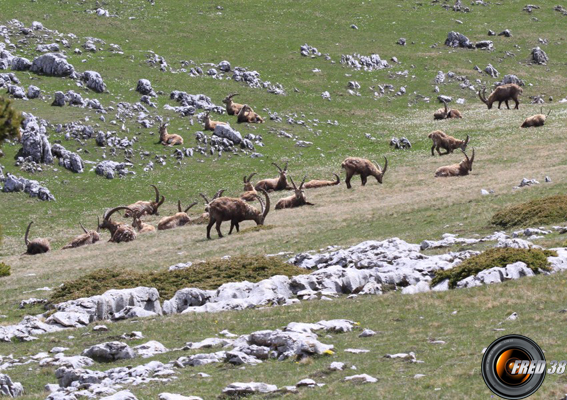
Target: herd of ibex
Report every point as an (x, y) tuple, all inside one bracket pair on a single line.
[(236, 210)]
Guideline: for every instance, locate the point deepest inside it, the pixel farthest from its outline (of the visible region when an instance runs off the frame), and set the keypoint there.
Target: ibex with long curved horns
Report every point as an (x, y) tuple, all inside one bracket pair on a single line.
[(461, 169), (501, 94), (364, 168), (295, 200), (247, 114), (89, 237), (535, 120), (232, 108), (445, 113), (249, 190), (181, 218), (36, 246), (315, 183), (279, 183), (119, 231), (443, 141), (140, 208), (204, 218)]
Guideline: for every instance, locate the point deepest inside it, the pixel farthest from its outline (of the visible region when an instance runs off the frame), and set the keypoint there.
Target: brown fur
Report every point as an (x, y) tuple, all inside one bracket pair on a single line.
[(142, 227), (204, 218), (181, 218), (295, 200), (36, 246), (445, 113), (314, 184), (236, 211), (119, 231), (535, 120), (167, 139), (501, 94), (210, 125), (140, 208), (279, 183), (89, 237), (443, 141), (461, 169), (364, 168), (249, 190), (246, 114), (232, 108)]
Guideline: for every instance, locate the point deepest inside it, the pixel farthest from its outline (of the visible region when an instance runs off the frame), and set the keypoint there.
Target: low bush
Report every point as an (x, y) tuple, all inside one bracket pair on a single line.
[(5, 270), (536, 212)]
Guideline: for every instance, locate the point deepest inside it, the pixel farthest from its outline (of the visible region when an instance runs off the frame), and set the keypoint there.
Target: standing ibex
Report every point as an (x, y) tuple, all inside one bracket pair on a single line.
[(503, 93), (210, 125), (249, 191), (119, 231), (205, 216), (246, 114), (232, 108), (179, 219), (443, 141), (461, 169), (140, 207), (36, 246), (236, 211), (167, 139), (295, 200), (141, 226), (89, 237), (314, 184), (279, 183), (445, 113), (364, 168), (535, 120)]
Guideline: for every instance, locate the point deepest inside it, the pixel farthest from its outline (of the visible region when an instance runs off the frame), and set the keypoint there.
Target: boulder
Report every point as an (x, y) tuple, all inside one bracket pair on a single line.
[(144, 87), (363, 378), (456, 39), (150, 349), (226, 132), (34, 141), (59, 99), (21, 64), (122, 395), (538, 56), (171, 396), (52, 64), (68, 319), (109, 351), (69, 160), (9, 388), (94, 81), (33, 92), (239, 389)]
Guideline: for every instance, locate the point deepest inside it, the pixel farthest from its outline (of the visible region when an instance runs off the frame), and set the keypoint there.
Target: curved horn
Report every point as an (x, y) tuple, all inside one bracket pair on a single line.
[(385, 166), (338, 179), (472, 157), (98, 224), (377, 166), (178, 205), (548, 113), (204, 198), (467, 141), (244, 179), (108, 213), (285, 168), (481, 98), (230, 96), (302, 182), (266, 209), (276, 165), (157, 192), (446, 111), (293, 183), (218, 194), (192, 204), (27, 232), (84, 230), (250, 177), (467, 157), (160, 202)]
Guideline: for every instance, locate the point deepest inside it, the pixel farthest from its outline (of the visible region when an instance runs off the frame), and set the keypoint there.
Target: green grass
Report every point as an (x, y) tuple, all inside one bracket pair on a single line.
[(4, 270), (535, 259), (542, 211)]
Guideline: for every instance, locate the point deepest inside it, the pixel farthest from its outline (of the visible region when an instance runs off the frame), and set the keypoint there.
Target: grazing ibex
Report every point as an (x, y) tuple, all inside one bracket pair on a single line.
[(89, 237), (535, 120), (443, 141), (246, 114), (295, 200), (179, 219), (119, 231), (236, 211), (204, 218), (36, 246), (210, 125), (461, 169), (141, 226), (314, 184), (249, 191), (279, 183), (232, 108), (364, 168), (140, 207), (167, 139), (445, 113), (501, 94)]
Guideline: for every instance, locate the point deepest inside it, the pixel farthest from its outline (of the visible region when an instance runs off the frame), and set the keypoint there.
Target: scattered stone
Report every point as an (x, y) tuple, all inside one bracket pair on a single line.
[(539, 56), (59, 99), (33, 188), (456, 39), (150, 349), (109, 169), (170, 396), (67, 159), (367, 63), (357, 351), (33, 92), (9, 388), (144, 87), (109, 351), (367, 333), (363, 378), (239, 389), (484, 45), (52, 64), (506, 33), (401, 41), (490, 70), (93, 81)]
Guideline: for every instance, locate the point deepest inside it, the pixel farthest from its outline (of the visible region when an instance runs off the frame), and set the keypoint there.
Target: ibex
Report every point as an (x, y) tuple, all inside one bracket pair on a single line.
[(210, 125), (119, 232), (364, 168), (205, 216), (461, 169), (503, 93), (236, 211), (179, 219), (249, 191), (167, 139), (89, 237), (279, 183), (314, 184), (443, 141), (445, 113), (232, 108), (36, 246), (141, 226), (535, 120), (295, 200), (246, 114), (140, 207)]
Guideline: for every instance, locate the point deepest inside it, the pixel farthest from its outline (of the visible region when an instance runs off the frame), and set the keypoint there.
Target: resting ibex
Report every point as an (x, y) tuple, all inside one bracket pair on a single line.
[(249, 191), (445, 113), (119, 231), (89, 237), (167, 139), (210, 125), (503, 93), (295, 200), (179, 219), (140, 207), (279, 183), (364, 168), (461, 169), (443, 141), (36, 246), (141, 226), (535, 120), (246, 114), (205, 216), (236, 211), (232, 108), (314, 184)]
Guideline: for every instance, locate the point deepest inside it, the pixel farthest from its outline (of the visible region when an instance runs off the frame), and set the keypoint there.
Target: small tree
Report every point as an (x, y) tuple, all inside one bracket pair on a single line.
[(10, 120)]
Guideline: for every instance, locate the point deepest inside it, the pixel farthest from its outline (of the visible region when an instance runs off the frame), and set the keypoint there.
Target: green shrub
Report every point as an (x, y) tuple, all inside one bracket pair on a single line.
[(536, 212), (534, 258), (208, 275), (10, 120), (4, 270)]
